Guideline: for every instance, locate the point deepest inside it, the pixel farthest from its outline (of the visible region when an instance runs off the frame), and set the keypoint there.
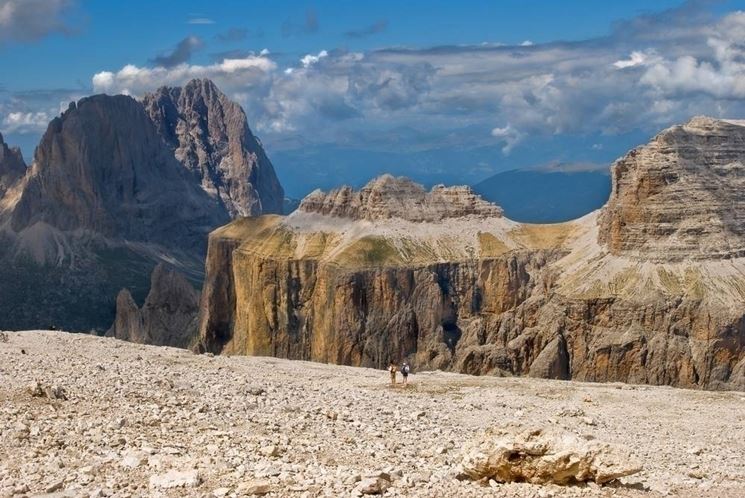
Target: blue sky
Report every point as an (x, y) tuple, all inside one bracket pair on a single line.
[(438, 90)]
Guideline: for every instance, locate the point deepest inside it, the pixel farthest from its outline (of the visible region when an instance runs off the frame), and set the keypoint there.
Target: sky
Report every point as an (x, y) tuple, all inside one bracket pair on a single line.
[(440, 91)]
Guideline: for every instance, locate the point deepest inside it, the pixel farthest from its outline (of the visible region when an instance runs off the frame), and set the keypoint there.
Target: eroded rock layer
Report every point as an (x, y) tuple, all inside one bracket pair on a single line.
[(481, 294)]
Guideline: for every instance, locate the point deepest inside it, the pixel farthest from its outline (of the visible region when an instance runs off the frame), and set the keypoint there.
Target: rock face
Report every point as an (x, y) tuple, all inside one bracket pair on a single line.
[(364, 278), (210, 136), (682, 196), (102, 167), (388, 197), (168, 317), (12, 167), (117, 186)]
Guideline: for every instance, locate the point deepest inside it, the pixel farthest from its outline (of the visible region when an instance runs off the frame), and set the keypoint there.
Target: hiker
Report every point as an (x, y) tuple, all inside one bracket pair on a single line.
[(405, 369), (392, 369)]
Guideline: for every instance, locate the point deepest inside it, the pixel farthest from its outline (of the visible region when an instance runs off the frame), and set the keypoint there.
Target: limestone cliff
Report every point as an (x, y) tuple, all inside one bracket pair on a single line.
[(210, 136), (168, 317), (367, 277)]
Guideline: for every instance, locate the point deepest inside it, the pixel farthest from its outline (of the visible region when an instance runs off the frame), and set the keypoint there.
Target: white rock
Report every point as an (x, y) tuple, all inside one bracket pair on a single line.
[(175, 479)]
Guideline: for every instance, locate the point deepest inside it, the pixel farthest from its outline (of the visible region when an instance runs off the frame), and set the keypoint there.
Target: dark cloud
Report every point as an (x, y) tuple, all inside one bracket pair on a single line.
[(180, 54), (30, 20), (373, 29), (308, 27)]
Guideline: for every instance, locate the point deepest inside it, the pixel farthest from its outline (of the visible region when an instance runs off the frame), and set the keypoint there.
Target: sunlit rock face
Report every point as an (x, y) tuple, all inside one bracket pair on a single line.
[(393, 271), (681, 196)]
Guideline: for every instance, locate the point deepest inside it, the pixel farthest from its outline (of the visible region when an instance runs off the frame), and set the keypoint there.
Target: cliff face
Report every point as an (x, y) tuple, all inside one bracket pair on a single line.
[(210, 136), (362, 279), (168, 317), (681, 196)]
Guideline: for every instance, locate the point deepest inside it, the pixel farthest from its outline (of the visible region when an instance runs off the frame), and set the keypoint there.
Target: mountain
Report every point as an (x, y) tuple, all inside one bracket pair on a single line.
[(210, 136), (546, 196), (649, 289), (108, 197)]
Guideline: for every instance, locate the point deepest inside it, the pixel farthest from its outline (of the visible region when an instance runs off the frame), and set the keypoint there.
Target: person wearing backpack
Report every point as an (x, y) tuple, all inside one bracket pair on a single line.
[(405, 369)]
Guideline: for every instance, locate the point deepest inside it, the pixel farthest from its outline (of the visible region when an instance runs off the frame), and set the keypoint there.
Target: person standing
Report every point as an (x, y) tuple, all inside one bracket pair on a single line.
[(392, 369), (405, 369)]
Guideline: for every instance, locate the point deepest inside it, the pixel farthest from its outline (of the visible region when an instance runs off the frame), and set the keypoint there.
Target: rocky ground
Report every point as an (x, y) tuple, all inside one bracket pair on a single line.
[(110, 418)]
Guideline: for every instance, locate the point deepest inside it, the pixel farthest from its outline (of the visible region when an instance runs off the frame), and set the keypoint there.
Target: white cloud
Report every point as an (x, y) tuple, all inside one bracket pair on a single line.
[(310, 59), (635, 59), (509, 136), (25, 122), (137, 80)]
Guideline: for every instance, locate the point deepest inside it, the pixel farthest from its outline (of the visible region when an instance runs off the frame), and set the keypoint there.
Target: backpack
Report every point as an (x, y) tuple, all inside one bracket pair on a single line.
[(405, 369)]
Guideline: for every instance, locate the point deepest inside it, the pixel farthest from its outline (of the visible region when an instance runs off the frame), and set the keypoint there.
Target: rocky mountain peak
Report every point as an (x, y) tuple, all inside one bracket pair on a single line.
[(681, 196), (390, 197), (101, 166), (210, 136), (12, 166)]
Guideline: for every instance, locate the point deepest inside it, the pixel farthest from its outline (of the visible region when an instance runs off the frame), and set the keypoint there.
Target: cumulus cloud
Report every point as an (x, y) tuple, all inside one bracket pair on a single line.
[(373, 29), (25, 122), (181, 53), (135, 80), (646, 74), (29, 20), (508, 135)]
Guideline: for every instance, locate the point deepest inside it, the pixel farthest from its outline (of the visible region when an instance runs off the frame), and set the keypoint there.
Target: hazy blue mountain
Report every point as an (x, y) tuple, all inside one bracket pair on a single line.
[(546, 196)]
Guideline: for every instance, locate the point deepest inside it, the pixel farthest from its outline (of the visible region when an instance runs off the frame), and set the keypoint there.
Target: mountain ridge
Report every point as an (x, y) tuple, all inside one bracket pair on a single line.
[(493, 296)]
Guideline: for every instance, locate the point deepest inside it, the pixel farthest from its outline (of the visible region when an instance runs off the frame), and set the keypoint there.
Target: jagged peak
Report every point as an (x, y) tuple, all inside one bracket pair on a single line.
[(387, 197)]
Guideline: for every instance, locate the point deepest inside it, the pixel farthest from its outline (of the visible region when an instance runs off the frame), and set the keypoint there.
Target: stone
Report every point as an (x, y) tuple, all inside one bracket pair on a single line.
[(542, 456), (256, 487), (175, 479), (372, 486), (133, 460), (56, 486), (270, 450)]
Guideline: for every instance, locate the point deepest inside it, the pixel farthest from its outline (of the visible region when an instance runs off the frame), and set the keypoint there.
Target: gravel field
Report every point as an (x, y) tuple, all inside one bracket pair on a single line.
[(87, 416)]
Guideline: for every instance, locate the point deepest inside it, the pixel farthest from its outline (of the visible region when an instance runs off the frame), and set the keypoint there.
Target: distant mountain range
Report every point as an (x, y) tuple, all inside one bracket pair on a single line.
[(547, 196)]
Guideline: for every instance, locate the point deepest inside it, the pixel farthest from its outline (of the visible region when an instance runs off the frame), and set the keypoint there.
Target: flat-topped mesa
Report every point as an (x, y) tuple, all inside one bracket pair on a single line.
[(388, 197), (681, 196)]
